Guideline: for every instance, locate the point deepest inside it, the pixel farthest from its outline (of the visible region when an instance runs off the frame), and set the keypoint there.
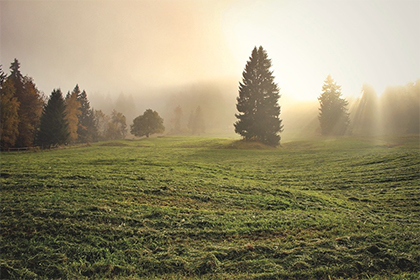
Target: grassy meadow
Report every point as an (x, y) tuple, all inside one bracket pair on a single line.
[(203, 208)]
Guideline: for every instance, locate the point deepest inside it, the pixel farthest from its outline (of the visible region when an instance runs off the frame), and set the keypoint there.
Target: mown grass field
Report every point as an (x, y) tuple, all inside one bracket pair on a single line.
[(201, 208)]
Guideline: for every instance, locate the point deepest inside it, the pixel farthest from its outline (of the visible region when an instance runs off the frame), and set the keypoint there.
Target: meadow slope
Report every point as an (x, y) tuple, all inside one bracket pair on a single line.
[(202, 208)]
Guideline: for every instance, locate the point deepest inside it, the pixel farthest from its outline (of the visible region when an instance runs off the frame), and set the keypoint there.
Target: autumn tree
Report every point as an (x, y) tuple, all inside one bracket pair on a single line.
[(72, 113), (30, 108), (333, 116), (53, 129), (257, 104), (117, 126), (9, 107), (87, 129), (147, 124)]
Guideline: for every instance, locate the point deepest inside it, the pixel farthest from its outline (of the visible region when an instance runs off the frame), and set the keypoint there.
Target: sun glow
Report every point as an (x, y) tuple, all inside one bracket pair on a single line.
[(356, 42)]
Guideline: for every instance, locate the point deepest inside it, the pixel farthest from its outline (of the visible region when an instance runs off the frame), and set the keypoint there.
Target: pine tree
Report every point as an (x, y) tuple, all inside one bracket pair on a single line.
[(72, 113), (87, 129), (147, 124), (9, 107), (54, 127), (259, 111), (30, 108), (333, 116)]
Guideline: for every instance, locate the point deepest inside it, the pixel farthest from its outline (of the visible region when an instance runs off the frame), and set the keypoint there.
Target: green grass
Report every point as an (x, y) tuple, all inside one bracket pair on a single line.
[(201, 208)]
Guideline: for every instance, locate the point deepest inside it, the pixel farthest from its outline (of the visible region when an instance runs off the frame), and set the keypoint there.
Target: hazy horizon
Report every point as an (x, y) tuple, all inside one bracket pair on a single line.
[(145, 47)]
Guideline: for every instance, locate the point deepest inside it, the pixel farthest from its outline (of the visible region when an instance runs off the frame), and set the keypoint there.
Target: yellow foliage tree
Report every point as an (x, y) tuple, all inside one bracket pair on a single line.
[(9, 107), (72, 113)]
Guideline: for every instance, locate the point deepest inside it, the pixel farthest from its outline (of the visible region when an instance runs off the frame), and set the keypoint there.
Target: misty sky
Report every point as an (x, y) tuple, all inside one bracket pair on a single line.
[(134, 46)]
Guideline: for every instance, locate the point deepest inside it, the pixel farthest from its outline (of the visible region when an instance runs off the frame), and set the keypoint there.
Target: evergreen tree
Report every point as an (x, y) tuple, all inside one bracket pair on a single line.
[(73, 113), (333, 116), (54, 127), (147, 124), (9, 107), (30, 108), (257, 104), (87, 128)]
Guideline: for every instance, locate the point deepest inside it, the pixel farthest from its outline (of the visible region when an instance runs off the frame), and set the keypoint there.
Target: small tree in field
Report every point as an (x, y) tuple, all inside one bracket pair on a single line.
[(259, 112), (333, 116), (147, 124)]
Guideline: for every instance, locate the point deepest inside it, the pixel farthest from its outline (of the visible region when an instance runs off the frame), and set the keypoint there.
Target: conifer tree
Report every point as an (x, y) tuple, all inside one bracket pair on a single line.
[(87, 129), (257, 104), (9, 107), (54, 127), (333, 116)]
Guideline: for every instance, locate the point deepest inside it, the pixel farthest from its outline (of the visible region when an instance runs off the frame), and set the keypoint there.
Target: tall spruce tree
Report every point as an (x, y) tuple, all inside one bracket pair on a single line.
[(257, 104), (87, 129), (54, 127), (333, 116)]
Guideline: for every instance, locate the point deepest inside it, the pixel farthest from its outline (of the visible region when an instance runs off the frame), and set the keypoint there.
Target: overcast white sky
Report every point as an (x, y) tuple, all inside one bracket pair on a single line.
[(131, 46)]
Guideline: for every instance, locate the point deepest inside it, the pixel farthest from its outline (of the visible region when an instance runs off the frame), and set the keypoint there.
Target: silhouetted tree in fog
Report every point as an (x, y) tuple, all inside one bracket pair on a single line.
[(400, 106), (257, 104), (53, 129), (101, 123), (177, 128), (333, 116), (117, 126), (196, 121), (413, 125), (147, 124)]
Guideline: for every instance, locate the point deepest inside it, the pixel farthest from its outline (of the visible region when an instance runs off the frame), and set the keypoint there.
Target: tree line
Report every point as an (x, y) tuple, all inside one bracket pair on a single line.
[(30, 119)]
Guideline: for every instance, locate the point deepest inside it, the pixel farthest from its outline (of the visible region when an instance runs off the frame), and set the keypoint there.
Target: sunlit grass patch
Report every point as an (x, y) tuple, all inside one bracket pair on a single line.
[(179, 207)]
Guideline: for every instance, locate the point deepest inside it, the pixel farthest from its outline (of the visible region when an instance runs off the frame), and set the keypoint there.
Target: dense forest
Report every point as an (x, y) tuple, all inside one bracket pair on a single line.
[(29, 118)]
